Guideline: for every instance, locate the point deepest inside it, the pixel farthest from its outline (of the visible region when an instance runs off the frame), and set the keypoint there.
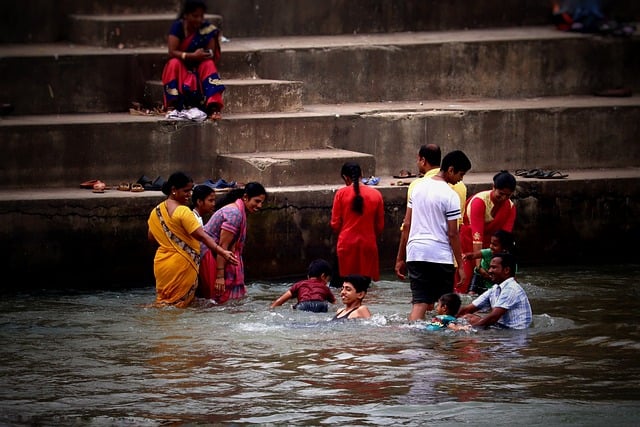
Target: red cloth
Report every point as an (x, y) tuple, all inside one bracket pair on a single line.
[(177, 77), (312, 289), (482, 218), (357, 246)]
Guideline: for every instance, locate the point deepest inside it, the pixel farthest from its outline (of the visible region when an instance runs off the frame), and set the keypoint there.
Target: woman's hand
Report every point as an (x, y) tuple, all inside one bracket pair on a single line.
[(201, 54), (228, 256)]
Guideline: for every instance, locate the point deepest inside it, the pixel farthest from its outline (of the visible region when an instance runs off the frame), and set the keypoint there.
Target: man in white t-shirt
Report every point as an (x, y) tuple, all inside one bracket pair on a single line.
[(431, 231)]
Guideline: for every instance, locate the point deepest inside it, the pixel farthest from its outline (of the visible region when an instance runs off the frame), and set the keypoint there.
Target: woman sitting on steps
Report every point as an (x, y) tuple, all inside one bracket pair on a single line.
[(190, 77)]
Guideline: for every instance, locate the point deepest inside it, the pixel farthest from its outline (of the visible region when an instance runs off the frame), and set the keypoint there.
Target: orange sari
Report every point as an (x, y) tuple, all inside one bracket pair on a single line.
[(177, 259)]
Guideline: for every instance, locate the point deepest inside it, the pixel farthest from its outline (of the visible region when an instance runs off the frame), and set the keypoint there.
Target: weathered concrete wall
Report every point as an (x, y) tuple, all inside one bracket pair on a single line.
[(101, 242)]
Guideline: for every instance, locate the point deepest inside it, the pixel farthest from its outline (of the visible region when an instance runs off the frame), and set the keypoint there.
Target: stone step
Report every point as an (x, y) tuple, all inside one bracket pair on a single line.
[(250, 18), (125, 31), (246, 95), (288, 168), (504, 63), (551, 133)]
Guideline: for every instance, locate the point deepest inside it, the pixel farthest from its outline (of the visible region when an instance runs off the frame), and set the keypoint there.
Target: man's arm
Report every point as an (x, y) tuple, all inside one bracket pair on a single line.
[(401, 265), (466, 309), (454, 242), (494, 315)]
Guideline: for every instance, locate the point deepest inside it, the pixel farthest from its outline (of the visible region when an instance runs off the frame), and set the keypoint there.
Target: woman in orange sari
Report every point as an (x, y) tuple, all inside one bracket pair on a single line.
[(178, 233), (486, 212), (190, 77)]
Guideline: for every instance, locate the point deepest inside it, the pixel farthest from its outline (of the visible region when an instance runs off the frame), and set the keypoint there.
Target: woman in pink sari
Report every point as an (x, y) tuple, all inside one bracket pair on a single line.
[(486, 212), (221, 280), (190, 77)]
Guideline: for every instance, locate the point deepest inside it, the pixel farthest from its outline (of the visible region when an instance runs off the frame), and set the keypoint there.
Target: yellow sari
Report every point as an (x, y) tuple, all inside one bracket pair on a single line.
[(177, 259)]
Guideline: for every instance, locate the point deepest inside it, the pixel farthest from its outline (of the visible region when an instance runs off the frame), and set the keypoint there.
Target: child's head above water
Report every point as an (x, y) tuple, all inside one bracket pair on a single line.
[(359, 283), (502, 241), (449, 304), (318, 267)]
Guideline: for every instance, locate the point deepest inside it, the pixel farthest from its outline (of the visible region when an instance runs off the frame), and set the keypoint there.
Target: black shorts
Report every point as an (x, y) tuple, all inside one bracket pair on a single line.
[(315, 306), (429, 281)]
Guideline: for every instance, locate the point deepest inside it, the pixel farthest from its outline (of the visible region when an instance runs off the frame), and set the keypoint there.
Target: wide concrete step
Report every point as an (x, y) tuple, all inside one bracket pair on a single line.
[(310, 17), (125, 31), (268, 18), (287, 168), (246, 95), (499, 63), (551, 133)]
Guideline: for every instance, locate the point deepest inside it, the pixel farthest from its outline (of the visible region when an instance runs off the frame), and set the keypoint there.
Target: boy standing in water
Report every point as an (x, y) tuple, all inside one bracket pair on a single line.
[(313, 293), (501, 241)]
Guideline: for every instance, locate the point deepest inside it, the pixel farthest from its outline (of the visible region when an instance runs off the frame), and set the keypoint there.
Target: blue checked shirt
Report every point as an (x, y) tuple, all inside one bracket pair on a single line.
[(510, 296)]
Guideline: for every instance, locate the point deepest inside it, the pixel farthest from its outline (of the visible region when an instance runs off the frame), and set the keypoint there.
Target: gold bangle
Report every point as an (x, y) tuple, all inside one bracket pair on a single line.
[(184, 55)]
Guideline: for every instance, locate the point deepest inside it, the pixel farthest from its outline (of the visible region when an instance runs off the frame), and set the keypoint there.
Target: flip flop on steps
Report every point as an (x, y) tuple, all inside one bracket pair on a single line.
[(533, 173), (552, 175), (99, 187), (89, 184), (404, 173)]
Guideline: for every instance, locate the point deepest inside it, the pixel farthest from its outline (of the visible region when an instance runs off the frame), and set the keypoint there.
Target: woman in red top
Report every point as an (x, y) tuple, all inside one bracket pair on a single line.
[(486, 212), (357, 217)]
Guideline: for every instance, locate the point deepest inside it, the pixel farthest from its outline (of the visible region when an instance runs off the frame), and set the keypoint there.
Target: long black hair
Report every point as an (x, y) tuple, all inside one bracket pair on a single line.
[(191, 5), (352, 171), (251, 189), (176, 180)]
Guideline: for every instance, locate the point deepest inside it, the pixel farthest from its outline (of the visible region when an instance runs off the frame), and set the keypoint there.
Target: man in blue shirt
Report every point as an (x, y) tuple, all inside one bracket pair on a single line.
[(507, 300)]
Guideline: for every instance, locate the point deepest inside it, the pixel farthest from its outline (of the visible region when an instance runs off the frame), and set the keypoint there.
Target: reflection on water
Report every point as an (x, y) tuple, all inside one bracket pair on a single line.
[(104, 358)]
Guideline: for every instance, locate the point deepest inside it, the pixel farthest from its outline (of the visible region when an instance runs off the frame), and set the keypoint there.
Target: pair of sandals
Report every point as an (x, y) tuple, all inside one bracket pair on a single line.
[(404, 173), (134, 188), (220, 184), (540, 174), (95, 185), (372, 180), (148, 184)]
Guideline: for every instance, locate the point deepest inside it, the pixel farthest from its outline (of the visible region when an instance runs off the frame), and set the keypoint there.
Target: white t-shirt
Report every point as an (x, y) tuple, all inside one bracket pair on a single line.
[(198, 217), (433, 203)]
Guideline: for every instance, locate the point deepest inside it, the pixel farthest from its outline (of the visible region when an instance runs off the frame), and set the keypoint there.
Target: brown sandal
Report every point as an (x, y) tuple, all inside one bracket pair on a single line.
[(124, 186)]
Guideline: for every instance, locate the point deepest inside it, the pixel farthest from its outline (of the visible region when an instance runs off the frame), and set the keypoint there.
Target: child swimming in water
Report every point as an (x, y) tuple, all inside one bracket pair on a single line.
[(354, 289), (447, 308), (313, 293)]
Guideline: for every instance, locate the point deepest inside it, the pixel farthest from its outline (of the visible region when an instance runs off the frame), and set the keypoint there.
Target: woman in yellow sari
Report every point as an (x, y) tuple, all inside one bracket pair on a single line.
[(178, 233)]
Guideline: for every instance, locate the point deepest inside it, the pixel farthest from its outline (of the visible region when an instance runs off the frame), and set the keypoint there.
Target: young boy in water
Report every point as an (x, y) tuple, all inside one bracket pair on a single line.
[(313, 293), (447, 308), (354, 289), (501, 241)]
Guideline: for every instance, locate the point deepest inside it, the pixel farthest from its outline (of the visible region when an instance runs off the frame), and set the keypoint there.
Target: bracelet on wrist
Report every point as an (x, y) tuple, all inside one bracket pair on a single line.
[(184, 55)]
